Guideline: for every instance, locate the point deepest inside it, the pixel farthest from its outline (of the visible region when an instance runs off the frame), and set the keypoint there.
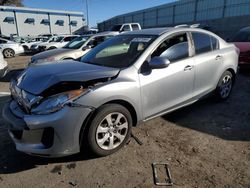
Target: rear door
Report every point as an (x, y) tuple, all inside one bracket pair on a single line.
[(208, 59)]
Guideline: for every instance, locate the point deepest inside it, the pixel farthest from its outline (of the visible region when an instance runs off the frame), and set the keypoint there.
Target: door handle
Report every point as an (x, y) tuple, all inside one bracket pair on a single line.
[(188, 67), (218, 57)]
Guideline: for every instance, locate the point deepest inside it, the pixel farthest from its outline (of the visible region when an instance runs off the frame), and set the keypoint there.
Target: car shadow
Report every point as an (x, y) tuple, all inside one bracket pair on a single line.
[(226, 120), (11, 74), (245, 72)]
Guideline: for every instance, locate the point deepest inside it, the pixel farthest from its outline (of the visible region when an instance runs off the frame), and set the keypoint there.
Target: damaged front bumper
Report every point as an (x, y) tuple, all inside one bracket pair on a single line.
[(53, 135)]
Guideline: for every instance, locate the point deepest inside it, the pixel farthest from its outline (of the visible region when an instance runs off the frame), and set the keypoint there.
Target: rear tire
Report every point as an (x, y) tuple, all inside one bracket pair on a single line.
[(109, 130), (224, 87), (8, 53)]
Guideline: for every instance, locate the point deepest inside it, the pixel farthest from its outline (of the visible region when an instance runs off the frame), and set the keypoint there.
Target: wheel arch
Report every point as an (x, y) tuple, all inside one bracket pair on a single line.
[(67, 58), (121, 102), (3, 50), (233, 73), (128, 106)]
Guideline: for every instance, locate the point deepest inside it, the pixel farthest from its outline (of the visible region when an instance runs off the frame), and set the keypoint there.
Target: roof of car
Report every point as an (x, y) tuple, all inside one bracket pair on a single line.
[(151, 31), (160, 31)]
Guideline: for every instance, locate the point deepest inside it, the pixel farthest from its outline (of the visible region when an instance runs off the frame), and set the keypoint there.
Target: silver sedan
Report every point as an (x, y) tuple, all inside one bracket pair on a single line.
[(136, 76)]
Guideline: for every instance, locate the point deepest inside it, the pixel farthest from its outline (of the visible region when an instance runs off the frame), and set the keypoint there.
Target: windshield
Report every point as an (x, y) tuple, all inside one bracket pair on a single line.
[(116, 28), (77, 42), (120, 51), (45, 39), (52, 39)]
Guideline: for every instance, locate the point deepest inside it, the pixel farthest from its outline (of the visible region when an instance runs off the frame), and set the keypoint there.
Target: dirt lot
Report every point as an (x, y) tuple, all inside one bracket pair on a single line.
[(206, 145)]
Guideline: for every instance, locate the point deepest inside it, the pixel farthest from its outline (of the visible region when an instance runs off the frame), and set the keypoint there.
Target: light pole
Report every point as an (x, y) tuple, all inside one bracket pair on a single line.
[(87, 10)]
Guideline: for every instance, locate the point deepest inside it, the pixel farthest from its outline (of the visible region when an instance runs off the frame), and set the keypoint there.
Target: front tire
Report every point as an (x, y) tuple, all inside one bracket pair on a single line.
[(224, 87), (8, 53), (109, 130)]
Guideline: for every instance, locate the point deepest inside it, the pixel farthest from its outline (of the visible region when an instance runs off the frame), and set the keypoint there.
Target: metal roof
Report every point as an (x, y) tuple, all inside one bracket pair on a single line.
[(25, 9)]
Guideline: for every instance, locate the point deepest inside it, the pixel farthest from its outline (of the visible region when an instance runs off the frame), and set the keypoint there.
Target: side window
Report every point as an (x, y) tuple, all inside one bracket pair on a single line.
[(215, 43), (202, 43), (174, 48), (2, 41), (97, 40), (135, 27), (126, 28)]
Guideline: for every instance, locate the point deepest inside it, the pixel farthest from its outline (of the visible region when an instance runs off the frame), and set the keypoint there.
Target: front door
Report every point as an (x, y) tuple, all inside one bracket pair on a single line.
[(168, 87)]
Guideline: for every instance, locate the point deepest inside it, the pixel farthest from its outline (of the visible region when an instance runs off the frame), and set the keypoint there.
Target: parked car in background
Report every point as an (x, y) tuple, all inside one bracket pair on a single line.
[(47, 35), (74, 49), (129, 78), (5, 37), (59, 42), (10, 48), (242, 40), (35, 47), (91, 31), (3, 66), (31, 41), (126, 27)]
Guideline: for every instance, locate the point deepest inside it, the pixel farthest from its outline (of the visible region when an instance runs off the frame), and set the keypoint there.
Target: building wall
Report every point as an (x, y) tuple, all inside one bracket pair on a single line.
[(222, 16), (7, 28), (79, 25), (21, 27), (59, 29), (31, 29)]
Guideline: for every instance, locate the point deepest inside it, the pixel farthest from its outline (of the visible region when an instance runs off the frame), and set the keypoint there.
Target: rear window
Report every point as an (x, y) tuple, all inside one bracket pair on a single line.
[(135, 27), (116, 28), (202, 43)]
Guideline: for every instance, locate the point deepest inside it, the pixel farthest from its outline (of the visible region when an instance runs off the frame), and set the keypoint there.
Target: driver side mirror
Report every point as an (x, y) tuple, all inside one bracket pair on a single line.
[(159, 63)]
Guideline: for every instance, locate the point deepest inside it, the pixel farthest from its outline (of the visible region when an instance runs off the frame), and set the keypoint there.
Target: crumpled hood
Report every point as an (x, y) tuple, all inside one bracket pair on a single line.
[(37, 78), (47, 54)]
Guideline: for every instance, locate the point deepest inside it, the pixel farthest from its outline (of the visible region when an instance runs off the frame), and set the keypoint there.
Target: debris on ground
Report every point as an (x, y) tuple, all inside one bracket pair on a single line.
[(136, 139), (73, 183), (167, 179)]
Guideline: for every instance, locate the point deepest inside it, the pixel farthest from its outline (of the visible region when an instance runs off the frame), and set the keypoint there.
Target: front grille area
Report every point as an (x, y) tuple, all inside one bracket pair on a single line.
[(48, 137), (17, 134)]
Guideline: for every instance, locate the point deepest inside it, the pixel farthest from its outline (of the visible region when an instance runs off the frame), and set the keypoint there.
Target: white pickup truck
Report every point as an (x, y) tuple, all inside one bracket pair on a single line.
[(126, 27)]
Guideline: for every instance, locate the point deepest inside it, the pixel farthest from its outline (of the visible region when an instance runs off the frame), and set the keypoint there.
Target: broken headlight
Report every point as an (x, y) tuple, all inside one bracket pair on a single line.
[(56, 102)]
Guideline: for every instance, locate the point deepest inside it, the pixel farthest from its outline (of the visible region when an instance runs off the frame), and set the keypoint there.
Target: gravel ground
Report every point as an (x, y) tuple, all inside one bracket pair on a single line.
[(206, 145)]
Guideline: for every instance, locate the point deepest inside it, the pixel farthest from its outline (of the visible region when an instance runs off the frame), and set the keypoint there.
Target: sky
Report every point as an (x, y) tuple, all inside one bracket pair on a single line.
[(99, 10)]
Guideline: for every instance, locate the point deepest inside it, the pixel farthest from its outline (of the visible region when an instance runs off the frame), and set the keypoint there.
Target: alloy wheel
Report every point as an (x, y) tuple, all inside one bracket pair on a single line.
[(226, 86), (8, 53), (112, 131)]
